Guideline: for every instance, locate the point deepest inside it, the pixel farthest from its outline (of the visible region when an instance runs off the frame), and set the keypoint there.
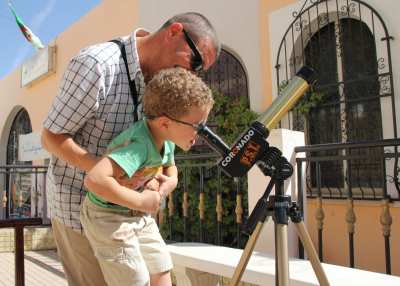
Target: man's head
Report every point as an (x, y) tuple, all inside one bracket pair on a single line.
[(180, 101), (199, 34), (187, 40)]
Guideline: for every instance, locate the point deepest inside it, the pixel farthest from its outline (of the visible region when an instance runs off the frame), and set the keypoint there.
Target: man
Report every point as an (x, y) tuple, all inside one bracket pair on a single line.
[(95, 103)]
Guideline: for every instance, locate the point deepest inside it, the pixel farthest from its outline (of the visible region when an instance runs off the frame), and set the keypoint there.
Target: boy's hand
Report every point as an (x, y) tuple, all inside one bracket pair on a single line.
[(135, 181), (150, 201), (152, 185), (167, 184)]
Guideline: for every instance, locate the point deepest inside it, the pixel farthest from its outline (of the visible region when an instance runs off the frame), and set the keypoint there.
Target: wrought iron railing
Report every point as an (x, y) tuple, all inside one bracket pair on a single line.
[(23, 193), (348, 162), (207, 206), (23, 204)]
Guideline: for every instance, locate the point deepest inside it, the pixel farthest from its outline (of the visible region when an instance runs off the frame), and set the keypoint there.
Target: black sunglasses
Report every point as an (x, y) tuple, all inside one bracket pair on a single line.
[(197, 60)]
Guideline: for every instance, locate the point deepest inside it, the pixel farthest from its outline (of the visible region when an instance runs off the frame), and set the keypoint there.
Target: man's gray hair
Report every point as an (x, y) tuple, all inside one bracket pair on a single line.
[(197, 26)]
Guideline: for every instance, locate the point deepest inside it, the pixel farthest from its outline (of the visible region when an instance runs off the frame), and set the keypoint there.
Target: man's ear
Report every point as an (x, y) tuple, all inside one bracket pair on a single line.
[(175, 28)]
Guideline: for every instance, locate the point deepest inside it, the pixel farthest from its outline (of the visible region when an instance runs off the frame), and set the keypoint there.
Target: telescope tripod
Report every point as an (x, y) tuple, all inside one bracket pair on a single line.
[(280, 208)]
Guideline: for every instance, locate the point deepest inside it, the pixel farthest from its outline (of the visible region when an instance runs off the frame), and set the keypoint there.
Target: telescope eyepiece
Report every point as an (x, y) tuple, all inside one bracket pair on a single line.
[(307, 73)]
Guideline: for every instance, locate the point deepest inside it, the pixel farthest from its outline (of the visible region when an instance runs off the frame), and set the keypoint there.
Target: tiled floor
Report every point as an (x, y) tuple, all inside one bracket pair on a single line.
[(42, 268)]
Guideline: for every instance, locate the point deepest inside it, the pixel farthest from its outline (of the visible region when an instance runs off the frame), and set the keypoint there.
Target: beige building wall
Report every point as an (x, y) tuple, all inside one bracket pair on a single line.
[(266, 8), (242, 32), (104, 22)]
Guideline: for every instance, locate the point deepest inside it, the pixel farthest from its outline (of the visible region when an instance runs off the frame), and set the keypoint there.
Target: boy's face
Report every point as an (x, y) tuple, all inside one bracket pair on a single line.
[(182, 133)]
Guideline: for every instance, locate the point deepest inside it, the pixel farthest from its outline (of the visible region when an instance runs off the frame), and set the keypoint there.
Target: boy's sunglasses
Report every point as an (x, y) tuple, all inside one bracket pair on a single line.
[(195, 126), (197, 60)]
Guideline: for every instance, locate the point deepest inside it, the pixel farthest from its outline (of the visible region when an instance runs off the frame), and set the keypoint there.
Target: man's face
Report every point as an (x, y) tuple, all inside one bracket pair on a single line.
[(177, 51), (196, 62), (190, 55), (208, 53)]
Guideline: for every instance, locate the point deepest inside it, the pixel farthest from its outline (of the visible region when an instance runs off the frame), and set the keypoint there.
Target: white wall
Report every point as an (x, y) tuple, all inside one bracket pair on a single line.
[(237, 25)]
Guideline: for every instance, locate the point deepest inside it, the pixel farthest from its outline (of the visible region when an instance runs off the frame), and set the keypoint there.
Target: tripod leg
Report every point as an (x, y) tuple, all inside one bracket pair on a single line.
[(244, 259), (282, 254), (312, 253)]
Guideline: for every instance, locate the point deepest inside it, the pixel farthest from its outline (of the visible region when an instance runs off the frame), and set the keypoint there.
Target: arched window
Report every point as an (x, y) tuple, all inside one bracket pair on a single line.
[(348, 77), (351, 56), (18, 185), (20, 125), (227, 76), (344, 55)]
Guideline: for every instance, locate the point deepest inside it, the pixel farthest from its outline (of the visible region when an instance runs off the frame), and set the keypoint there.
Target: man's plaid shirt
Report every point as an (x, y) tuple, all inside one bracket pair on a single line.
[(93, 105)]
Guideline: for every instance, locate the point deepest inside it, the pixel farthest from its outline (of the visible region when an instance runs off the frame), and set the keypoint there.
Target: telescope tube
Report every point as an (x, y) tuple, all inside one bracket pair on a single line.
[(295, 89)]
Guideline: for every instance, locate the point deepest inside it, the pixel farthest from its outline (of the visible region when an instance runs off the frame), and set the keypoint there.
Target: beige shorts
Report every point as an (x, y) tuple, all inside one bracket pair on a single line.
[(128, 248)]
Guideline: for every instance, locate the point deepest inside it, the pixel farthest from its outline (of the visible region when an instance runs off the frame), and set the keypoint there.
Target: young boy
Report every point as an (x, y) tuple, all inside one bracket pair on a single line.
[(125, 239)]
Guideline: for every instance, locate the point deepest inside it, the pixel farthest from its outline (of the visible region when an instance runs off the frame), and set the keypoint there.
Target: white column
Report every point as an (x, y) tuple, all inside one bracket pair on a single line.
[(285, 140)]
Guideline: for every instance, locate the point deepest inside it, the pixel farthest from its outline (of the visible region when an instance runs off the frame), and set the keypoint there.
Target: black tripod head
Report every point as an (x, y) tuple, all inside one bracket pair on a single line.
[(251, 148)]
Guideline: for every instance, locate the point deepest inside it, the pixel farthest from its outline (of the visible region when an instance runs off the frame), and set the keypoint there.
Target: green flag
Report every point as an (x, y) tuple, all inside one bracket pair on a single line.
[(31, 37)]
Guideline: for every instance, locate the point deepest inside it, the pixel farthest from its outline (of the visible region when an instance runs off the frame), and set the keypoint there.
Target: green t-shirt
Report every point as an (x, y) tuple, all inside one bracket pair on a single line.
[(134, 150)]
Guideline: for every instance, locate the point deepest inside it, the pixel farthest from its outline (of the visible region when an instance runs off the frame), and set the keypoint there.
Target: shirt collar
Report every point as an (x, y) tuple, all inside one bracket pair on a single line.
[(132, 53)]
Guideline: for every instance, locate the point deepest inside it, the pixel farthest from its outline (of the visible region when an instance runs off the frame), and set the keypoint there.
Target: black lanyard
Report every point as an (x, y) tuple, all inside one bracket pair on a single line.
[(132, 85)]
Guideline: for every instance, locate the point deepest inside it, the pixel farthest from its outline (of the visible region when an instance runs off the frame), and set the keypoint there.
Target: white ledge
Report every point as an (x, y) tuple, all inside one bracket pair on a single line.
[(222, 261)]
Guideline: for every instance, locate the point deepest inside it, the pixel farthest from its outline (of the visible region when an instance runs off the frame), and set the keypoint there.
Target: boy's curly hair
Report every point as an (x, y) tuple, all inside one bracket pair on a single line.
[(173, 92)]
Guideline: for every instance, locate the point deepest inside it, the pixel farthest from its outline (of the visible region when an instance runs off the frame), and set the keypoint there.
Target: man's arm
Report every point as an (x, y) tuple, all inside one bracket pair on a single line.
[(65, 148), (81, 88), (101, 181)]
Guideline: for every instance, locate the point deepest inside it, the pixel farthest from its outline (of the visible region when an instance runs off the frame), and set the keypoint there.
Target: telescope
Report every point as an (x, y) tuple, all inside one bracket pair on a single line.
[(251, 147)]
